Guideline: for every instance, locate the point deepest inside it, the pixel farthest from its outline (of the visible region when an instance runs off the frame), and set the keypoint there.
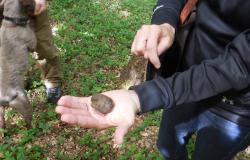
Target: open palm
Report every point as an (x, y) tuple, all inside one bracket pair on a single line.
[(77, 110)]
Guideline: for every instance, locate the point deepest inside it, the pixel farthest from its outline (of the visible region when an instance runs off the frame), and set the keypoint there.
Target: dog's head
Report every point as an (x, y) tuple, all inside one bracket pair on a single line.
[(28, 6), (14, 7)]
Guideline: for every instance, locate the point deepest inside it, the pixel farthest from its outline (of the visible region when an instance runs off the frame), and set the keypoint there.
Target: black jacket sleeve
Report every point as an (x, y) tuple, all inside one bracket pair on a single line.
[(167, 11), (228, 71)]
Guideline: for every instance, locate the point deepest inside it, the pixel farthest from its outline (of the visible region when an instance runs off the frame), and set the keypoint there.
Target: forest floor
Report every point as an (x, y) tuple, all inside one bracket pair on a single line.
[(94, 39)]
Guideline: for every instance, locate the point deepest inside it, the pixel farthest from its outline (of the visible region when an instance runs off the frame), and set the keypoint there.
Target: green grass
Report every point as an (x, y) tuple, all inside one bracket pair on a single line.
[(94, 39)]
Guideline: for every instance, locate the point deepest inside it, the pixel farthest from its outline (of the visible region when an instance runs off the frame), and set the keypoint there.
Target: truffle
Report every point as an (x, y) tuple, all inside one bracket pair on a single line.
[(102, 103)]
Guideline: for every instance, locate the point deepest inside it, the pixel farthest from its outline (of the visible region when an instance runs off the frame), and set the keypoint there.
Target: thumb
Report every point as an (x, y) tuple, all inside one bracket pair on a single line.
[(120, 132)]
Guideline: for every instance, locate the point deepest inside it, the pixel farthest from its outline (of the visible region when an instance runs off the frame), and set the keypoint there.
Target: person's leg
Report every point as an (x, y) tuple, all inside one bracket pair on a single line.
[(219, 139), (177, 126), (48, 57)]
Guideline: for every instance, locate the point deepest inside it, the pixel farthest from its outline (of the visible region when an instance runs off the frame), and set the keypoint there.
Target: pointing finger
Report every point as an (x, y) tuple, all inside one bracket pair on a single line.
[(152, 45)]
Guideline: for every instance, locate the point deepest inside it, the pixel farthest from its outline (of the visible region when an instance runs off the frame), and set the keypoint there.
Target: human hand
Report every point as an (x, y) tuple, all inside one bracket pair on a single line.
[(78, 110), (152, 40), (40, 6)]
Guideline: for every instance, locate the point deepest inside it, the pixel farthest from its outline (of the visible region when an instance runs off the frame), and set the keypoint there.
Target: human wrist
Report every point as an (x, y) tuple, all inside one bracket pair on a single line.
[(135, 98)]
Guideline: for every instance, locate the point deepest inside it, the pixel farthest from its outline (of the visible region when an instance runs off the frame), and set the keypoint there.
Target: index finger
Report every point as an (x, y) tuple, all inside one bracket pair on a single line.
[(152, 42), (73, 102)]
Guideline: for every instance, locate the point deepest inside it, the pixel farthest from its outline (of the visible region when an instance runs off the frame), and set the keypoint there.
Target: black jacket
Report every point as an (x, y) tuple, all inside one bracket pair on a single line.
[(217, 59)]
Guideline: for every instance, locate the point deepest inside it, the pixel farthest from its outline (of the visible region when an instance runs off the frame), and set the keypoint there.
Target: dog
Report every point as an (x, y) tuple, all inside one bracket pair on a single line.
[(17, 39)]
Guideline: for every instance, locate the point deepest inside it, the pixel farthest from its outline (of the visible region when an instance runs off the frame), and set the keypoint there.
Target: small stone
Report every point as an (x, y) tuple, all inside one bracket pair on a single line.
[(102, 103)]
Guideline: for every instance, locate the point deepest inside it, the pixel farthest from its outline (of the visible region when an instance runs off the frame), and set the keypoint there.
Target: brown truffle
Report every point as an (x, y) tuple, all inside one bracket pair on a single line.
[(102, 103)]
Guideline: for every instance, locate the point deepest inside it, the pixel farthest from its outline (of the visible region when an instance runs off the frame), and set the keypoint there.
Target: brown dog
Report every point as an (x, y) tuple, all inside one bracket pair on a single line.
[(16, 40)]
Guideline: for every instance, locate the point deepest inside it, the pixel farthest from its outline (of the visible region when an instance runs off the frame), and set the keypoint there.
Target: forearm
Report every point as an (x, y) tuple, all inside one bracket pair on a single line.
[(228, 71)]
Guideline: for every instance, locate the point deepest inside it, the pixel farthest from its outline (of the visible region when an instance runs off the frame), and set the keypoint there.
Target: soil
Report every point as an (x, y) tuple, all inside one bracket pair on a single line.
[(134, 73)]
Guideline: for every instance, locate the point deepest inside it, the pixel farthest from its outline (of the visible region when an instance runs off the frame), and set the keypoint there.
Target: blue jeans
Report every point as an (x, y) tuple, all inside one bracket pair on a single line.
[(217, 138)]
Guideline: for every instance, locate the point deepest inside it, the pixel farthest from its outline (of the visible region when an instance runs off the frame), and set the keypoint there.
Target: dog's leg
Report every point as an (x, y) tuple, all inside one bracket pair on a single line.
[(2, 121), (22, 105)]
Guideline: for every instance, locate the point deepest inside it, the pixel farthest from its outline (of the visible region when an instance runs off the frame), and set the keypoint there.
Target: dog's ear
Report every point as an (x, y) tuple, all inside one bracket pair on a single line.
[(28, 6)]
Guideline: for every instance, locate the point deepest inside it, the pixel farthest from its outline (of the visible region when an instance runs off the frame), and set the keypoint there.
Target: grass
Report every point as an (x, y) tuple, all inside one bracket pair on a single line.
[(94, 39)]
